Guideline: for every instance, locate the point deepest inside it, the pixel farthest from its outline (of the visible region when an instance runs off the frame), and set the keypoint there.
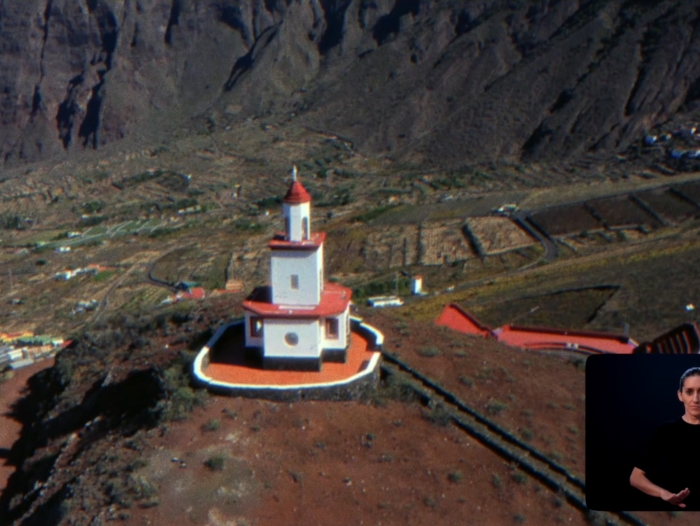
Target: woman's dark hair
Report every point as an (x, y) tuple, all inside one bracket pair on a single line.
[(693, 371)]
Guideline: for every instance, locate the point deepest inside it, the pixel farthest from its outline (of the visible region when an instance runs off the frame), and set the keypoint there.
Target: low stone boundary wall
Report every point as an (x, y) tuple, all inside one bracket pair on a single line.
[(355, 387)]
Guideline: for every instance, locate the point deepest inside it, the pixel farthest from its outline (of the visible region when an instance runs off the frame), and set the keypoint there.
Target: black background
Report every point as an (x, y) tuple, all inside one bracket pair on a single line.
[(627, 398)]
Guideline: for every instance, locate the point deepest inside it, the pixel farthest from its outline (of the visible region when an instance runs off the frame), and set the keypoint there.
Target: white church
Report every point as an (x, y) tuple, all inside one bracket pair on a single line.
[(299, 321)]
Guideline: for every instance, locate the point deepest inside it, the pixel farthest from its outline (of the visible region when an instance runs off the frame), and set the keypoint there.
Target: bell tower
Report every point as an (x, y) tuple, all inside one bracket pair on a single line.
[(296, 264), (296, 210)]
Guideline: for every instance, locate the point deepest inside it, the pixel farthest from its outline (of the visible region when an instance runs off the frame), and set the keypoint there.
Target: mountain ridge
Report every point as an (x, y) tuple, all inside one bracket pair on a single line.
[(437, 83)]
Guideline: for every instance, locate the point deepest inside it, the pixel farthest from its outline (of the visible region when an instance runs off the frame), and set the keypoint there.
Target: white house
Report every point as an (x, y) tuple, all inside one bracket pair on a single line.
[(298, 321)]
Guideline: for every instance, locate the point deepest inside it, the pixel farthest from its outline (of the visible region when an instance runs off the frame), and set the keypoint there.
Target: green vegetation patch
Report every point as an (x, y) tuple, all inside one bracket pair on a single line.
[(569, 309), (378, 288), (216, 462), (370, 215)]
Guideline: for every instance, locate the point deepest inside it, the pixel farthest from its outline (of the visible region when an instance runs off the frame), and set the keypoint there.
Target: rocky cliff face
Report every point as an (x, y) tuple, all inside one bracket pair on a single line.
[(441, 82)]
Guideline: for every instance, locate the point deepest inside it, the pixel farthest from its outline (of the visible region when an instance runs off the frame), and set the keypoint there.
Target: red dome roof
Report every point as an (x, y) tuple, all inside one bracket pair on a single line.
[(297, 194)]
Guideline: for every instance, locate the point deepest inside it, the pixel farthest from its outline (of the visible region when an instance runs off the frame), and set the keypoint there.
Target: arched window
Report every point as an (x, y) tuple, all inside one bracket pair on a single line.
[(332, 328), (305, 227), (256, 326)]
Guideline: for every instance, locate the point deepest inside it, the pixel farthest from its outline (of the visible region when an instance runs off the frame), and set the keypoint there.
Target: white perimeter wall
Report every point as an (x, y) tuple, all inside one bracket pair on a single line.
[(308, 265), (308, 332)]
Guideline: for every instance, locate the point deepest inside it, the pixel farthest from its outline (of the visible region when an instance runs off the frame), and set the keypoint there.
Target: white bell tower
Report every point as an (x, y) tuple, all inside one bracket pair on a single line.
[(296, 265), (296, 210), (298, 321)]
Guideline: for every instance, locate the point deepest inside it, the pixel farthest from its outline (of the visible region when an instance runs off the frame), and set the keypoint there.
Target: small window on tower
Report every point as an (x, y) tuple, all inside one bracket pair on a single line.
[(332, 328), (295, 281), (305, 227), (256, 326)]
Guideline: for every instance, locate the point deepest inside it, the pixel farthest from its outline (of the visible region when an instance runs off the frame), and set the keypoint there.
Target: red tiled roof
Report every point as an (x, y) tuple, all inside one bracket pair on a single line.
[(196, 293), (334, 300), (297, 194), (280, 243)]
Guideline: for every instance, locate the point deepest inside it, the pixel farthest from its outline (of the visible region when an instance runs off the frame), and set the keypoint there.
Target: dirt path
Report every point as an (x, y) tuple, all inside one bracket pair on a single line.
[(10, 391)]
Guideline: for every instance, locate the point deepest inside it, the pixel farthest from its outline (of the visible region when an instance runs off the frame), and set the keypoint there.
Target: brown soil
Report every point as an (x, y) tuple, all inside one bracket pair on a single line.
[(669, 205), (565, 220), (622, 212), (537, 396), (443, 242), (10, 391), (336, 463), (498, 234)]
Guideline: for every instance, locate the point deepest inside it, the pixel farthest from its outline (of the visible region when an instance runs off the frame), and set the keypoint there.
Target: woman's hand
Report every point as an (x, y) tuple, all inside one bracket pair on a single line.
[(675, 498), (639, 480)]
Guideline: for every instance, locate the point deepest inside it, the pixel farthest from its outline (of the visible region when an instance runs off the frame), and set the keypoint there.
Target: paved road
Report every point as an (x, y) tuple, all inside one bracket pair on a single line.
[(522, 219)]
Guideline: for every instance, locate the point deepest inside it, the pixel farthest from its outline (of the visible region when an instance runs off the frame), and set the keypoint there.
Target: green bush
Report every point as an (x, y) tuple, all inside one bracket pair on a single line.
[(92, 220), (526, 433), (178, 396), (373, 214), (160, 232), (213, 425), (429, 352), (11, 221), (455, 476), (519, 477), (92, 206), (216, 462), (496, 481), (439, 415), (394, 387), (465, 380), (494, 407)]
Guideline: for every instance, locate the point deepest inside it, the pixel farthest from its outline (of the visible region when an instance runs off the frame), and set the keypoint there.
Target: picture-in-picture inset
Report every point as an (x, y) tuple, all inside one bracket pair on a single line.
[(643, 432)]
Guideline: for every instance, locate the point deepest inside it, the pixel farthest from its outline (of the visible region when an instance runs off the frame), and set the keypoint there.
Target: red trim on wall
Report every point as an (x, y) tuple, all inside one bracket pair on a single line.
[(334, 300)]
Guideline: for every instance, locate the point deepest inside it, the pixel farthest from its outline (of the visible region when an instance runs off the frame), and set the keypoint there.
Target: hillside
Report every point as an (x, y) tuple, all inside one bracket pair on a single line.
[(437, 83)]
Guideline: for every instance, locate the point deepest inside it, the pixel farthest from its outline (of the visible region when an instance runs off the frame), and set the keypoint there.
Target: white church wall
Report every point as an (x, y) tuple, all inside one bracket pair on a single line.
[(301, 263), (296, 213), (278, 332), (341, 342), (319, 268)]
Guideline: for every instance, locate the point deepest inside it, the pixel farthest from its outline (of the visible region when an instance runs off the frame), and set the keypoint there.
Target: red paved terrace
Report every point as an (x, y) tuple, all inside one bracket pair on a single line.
[(230, 363), (454, 317), (543, 338)]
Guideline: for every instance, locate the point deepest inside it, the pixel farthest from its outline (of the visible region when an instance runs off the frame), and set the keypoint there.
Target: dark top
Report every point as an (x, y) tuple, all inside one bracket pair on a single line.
[(672, 460)]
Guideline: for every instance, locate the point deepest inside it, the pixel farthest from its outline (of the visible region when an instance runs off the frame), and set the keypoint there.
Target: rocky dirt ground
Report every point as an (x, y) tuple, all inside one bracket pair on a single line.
[(385, 460), (12, 389)]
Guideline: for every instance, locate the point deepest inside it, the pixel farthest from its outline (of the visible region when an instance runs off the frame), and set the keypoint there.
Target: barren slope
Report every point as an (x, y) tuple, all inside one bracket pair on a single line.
[(445, 82)]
